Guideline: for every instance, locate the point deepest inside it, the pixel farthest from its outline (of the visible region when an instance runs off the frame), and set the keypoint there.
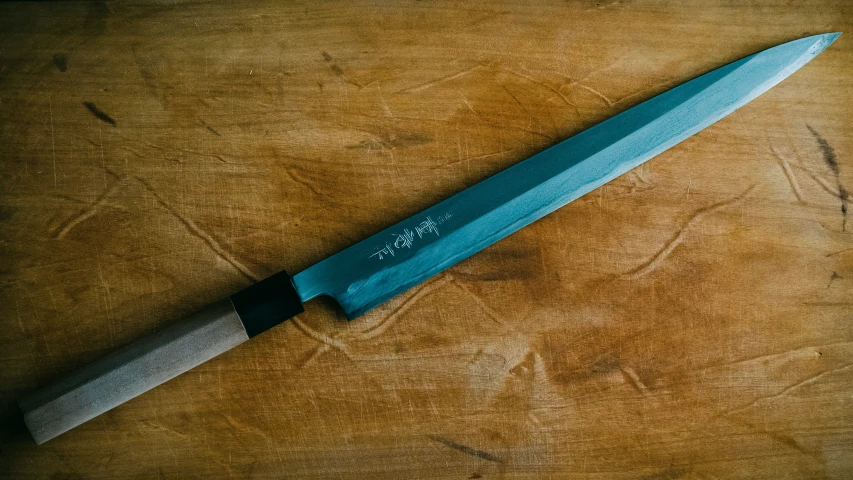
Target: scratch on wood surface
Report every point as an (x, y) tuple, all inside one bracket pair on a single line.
[(790, 441), (787, 440), (641, 91), (338, 70), (105, 460), (634, 379), (518, 102), (637, 182), (488, 310), (640, 172), (319, 337), (386, 323), (840, 252), (439, 81), (789, 389), (244, 427), (134, 152), (321, 349), (108, 299), (52, 138), (386, 110), (184, 150), (471, 107), (824, 184), (640, 179), (592, 72), (676, 240), (789, 174), (542, 84), (604, 98), (807, 351), (505, 127), (466, 449), (530, 116), (201, 234), (158, 427), (305, 183), (483, 156), (27, 337), (208, 127), (490, 155), (89, 211)]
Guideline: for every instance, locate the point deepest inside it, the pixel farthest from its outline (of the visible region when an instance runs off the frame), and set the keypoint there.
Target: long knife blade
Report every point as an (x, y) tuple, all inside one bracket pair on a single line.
[(401, 256), (398, 258)]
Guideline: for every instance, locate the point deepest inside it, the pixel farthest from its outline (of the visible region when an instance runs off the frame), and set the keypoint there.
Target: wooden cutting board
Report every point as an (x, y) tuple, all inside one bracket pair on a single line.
[(692, 319)]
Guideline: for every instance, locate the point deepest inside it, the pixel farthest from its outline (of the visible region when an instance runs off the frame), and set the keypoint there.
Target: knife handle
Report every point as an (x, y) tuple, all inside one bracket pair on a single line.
[(142, 365)]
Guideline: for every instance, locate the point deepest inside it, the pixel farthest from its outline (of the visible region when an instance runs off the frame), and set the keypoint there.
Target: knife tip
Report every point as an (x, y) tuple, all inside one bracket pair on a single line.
[(828, 38), (822, 41)]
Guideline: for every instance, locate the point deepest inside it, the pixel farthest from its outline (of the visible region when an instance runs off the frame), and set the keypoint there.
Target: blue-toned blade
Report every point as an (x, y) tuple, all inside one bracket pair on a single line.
[(378, 268)]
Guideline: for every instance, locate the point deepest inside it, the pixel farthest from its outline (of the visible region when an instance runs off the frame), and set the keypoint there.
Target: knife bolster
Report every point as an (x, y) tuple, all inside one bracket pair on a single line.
[(267, 303)]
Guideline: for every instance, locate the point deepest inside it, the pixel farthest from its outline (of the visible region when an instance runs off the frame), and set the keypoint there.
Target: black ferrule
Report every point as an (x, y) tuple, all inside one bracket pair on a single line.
[(267, 303)]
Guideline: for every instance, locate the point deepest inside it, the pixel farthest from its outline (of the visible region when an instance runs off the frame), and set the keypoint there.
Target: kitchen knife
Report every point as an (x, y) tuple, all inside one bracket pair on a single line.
[(393, 260)]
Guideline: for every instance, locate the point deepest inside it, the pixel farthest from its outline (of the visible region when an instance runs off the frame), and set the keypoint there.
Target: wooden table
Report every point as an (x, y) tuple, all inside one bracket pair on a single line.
[(692, 319)]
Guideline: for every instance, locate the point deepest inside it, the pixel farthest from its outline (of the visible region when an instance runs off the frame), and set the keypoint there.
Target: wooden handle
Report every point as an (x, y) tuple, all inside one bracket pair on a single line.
[(135, 369)]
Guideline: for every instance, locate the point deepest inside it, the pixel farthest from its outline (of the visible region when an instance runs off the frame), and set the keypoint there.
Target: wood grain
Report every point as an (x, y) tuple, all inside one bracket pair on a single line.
[(691, 319)]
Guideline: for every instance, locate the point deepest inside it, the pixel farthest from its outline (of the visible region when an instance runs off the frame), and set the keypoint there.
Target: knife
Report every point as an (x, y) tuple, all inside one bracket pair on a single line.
[(399, 257)]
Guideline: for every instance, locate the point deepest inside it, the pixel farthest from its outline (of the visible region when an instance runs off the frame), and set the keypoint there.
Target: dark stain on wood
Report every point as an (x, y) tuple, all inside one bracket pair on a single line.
[(466, 449), (334, 66), (826, 149), (831, 160), (97, 112), (338, 70), (209, 128), (61, 61), (835, 276)]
